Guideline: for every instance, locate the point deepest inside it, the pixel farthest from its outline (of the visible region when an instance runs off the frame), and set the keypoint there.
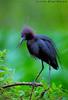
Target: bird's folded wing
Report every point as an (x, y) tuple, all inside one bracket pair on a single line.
[(49, 45)]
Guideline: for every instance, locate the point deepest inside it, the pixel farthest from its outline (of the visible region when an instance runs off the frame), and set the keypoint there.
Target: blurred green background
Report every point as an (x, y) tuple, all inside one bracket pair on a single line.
[(49, 18)]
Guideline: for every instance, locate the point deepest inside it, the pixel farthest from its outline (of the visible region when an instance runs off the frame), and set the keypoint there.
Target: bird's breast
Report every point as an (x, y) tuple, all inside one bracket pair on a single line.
[(33, 47)]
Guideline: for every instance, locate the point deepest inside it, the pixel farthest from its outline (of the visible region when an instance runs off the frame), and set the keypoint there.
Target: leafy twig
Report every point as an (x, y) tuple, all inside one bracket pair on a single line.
[(42, 93)]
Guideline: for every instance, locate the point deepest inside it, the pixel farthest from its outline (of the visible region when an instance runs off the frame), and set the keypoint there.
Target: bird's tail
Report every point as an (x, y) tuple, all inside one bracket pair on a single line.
[(54, 64)]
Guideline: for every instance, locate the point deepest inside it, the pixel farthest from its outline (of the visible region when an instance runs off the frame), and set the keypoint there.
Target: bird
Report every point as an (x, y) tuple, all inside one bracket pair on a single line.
[(41, 47)]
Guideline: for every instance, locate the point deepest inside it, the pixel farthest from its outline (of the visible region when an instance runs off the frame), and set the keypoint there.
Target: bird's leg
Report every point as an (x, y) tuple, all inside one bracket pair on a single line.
[(40, 71), (49, 82), (36, 79), (49, 76)]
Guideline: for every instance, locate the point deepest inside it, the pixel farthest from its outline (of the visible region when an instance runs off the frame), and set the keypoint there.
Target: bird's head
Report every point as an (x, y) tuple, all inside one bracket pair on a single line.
[(27, 34)]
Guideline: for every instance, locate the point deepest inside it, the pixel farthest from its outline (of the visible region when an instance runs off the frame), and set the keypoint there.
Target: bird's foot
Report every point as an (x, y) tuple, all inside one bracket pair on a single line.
[(33, 83)]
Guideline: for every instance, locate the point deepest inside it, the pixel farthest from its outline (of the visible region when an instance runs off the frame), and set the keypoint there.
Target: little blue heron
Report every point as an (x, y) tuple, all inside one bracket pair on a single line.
[(41, 47)]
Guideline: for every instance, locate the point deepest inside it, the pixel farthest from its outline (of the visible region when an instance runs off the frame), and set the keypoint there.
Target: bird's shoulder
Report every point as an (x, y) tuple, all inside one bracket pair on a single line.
[(43, 37), (47, 40)]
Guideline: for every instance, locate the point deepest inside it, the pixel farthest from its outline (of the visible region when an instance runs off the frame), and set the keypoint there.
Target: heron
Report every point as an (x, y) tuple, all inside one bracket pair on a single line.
[(41, 47)]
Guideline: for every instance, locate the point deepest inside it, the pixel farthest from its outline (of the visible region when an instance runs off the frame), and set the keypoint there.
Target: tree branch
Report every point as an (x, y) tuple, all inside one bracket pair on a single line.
[(23, 83)]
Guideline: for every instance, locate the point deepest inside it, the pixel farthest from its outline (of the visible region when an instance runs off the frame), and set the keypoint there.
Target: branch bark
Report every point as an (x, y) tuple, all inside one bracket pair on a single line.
[(23, 83)]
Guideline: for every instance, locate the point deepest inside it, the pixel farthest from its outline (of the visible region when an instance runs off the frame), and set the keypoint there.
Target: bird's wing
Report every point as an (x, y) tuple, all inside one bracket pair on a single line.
[(48, 50), (45, 48), (49, 45)]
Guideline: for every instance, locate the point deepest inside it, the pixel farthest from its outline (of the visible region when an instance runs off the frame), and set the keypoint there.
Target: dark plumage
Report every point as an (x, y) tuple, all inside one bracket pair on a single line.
[(41, 47)]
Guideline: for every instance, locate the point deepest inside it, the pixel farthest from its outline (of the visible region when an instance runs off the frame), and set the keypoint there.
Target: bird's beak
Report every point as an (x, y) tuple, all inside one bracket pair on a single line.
[(22, 39)]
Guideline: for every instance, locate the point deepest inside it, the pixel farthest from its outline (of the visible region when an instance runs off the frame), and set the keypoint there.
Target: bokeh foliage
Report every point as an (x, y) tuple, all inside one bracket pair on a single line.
[(49, 18), (23, 92)]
